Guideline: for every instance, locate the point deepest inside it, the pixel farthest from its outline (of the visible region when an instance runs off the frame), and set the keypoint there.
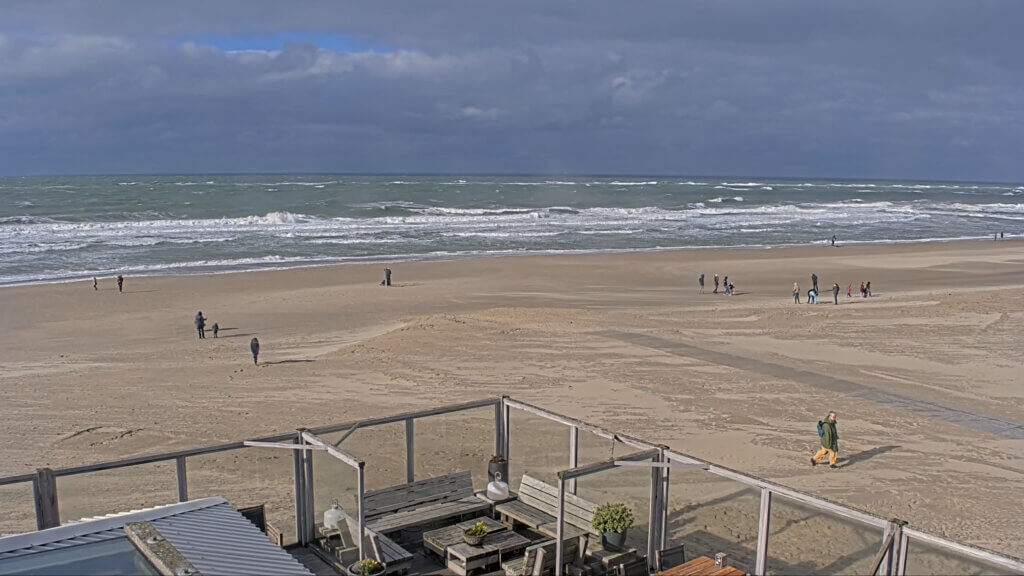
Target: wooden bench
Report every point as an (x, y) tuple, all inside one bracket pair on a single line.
[(539, 559), (422, 504), (396, 559), (537, 508)]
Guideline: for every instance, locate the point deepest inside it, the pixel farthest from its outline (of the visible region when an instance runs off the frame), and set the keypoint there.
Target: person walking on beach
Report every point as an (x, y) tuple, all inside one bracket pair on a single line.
[(796, 292), (716, 284), (120, 283), (700, 282), (833, 240), (95, 285), (867, 289), (835, 293), (201, 324), (254, 347), (732, 289), (863, 291), (812, 296), (387, 277), (725, 285), (216, 329), (814, 282), (848, 286), (829, 441)]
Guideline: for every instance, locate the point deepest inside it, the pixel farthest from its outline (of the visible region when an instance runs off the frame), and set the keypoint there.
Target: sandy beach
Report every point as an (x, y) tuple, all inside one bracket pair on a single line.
[(926, 374)]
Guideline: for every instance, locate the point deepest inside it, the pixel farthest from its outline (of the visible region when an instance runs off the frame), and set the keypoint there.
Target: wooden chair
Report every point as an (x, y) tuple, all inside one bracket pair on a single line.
[(634, 568), (668, 558)]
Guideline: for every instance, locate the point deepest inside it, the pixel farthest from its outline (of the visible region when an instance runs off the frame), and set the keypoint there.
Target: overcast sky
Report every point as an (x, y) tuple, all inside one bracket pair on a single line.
[(893, 89)]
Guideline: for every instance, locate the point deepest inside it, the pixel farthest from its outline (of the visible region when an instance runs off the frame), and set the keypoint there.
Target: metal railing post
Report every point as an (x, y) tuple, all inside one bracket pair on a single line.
[(901, 557), (506, 431), (664, 502), (410, 450), (559, 528), (300, 491), (763, 525), (654, 517), (361, 485), (893, 535), (574, 450), (182, 479), (499, 436), (44, 489), (307, 495)]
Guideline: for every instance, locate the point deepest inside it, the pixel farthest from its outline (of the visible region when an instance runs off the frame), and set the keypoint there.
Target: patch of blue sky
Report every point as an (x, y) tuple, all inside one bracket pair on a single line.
[(273, 42)]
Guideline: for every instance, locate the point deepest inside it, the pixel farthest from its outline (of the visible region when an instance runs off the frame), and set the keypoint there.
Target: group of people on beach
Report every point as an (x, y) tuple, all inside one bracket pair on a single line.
[(729, 287), (120, 283), (812, 292)]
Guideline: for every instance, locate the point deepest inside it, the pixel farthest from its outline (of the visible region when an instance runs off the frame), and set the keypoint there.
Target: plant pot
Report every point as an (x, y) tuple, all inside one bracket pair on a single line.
[(497, 467), (613, 540), (473, 540), (354, 568)]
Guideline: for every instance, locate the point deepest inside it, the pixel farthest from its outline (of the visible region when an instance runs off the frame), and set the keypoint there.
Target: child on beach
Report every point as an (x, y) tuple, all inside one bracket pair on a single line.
[(700, 282), (796, 292), (848, 289)]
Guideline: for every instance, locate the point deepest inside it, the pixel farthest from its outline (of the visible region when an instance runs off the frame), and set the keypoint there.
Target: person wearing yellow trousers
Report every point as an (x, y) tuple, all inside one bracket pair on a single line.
[(829, 441)]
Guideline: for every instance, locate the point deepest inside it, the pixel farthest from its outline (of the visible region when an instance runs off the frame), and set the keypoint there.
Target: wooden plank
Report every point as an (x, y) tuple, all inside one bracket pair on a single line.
[(524, 513), (544, 497), (427, 514), (455, 486), (438, 540)]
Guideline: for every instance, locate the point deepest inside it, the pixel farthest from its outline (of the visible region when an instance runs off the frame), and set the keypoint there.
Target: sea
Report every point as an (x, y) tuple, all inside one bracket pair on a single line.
[(55, 229)]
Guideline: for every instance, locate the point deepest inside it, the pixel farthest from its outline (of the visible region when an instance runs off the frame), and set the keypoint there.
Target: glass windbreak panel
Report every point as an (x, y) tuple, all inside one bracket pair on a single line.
[(924, 558), (381, 447), (115, 557), (709, 514), (795, 534), (334, 480), (455, 442), (17, 508), (594, 448), (248, 477), (537, 446), (118, 490), (629, 485)]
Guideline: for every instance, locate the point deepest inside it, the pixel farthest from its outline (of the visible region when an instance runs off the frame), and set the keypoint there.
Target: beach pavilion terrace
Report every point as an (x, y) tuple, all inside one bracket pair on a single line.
[(406, 486)]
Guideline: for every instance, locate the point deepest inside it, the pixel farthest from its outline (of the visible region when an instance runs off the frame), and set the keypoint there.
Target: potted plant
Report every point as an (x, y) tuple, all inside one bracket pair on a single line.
[(497, 465), (367, 567), (474, 535), (612, 520)]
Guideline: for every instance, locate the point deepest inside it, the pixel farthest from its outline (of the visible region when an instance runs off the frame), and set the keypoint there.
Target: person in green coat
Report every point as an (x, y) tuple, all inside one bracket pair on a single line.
[(829, 441)]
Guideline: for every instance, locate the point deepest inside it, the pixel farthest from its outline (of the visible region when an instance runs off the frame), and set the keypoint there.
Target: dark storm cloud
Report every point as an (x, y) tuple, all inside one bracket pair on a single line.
[(906, 89)]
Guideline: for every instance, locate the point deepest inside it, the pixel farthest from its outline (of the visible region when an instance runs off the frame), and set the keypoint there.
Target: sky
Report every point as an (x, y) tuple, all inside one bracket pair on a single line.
[(868, 89)]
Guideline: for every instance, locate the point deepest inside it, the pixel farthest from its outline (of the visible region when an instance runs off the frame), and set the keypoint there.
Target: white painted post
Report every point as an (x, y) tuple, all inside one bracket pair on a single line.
[(763, 525), (300, 498), (362, 517), (654, 515), (559, 528)]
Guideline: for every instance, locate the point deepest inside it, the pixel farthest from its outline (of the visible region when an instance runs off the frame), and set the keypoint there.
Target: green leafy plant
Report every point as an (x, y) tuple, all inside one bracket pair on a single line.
[(369, 567), (477, 529), (613, 517)]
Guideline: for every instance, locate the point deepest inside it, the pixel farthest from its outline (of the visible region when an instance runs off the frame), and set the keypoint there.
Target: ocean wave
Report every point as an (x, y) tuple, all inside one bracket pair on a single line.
[(629, 183)]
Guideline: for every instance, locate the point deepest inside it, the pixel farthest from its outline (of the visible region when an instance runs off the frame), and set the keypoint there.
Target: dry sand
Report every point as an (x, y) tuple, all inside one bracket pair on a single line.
[(926, 376)]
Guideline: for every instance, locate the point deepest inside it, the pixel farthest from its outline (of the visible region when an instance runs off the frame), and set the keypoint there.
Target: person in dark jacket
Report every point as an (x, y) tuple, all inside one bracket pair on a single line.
[(201, 324), (120, 283), (835, 292), (814, 282), (254, 347), (829, 441)]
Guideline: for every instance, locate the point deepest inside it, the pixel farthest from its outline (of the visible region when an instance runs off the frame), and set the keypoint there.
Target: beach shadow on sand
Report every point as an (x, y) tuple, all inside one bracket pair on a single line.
[(235, 335), (868, 454), (286, 362)]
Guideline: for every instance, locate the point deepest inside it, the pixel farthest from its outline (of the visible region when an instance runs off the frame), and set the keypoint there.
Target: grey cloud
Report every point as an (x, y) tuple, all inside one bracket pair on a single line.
[(909, 89)]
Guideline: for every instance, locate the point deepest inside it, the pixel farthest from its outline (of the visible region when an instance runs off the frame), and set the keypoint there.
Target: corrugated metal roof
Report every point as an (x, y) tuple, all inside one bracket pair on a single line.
[(211, 534)]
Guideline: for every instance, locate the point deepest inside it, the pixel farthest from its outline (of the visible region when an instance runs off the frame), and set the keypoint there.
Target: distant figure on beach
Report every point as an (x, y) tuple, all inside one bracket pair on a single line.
[(848, 286), (700, 282), (863, 291), (725, 285), (730, 289), (95, 285), (216, 329), (716, 284), (814, 282), (833, 240), (812, 296), (254, 347), (120, 283), (829, 441), (1001, 236), (867, 289), (835, 293), (387, 277), (201, 324), (796, 292)]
